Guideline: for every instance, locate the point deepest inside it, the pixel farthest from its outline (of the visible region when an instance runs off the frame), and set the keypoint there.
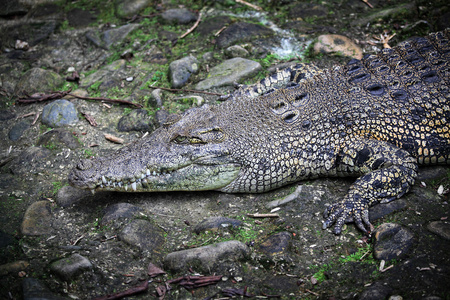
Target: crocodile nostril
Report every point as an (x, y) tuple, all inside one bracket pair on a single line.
[(84, 164)]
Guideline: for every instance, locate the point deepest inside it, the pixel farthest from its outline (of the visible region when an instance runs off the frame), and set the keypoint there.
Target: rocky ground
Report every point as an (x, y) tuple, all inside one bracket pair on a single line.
[(57, 242)]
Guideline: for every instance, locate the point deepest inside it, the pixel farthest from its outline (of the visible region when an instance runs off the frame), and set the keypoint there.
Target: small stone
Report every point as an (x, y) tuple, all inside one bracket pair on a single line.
[(68, 268), (216, 223), (276, 244), (440, 228), (120, 210), (137, 120), (180, 70), (142, 234), (178, 16), (379, 211), (392, 241), (228, 72), (58, 138), (68, 196), (375, 292), (29, 161), (337, 44), (129, 8), (37, 219), (236, 51), (60, 113), (33, 289), (21, 45), (207, 258), (13, 267), (242, 32), (39, 80), (17, 130)]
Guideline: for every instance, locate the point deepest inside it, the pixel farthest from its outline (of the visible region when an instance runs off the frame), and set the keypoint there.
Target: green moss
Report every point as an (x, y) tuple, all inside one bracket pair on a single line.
[(57, 185)]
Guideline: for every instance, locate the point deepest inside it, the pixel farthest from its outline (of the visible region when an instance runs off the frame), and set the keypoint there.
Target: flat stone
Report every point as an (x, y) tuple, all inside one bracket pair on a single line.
[(120, 210), (37, 219), (392, 241), (13, 267), (276, 244), (29, 161), (242, 32), (236, 51), (11, 8), (337, 44), (180, 70), (207, 258), (142, 234), (376, 291), (110, 37), (34, 289), (137, 120), (380, 210), (212, 25), (440, 228), (178, 16), (39, 80), (60, 113), (129, 8), (18, 129), (78, 17), (216, 223), (68, 196), (68, 268), (228, 72), (59, 137), (6, 115)]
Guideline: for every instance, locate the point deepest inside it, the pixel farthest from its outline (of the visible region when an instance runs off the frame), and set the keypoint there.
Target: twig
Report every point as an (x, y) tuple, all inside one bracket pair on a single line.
[(311, 292), (36, 117), (131, 291), (90, 119), (113, 138), (367, 2), (220, 30), (25, 115), (78, 239), (188, 91), (256, 7), (106, 100), (193, 27), (263, 215)]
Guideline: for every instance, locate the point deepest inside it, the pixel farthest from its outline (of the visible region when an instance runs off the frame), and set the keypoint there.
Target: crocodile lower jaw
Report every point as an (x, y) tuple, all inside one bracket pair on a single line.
[(192, 177)]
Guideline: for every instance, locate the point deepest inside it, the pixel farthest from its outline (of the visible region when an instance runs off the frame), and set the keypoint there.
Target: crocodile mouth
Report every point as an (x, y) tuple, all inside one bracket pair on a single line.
[(193, 177)]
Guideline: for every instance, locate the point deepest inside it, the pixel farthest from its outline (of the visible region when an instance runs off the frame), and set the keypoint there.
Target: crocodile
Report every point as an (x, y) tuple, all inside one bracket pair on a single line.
[(376, 119)]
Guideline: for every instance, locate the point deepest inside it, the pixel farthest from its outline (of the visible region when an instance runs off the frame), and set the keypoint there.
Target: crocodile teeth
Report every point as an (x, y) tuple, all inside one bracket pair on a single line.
[(133, 186), (93, 191), (126, 187), (154, 173), (104, 179), (142, 176), (148, 172)]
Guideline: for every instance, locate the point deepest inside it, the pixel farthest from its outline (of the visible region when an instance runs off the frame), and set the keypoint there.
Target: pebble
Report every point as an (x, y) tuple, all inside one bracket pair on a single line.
[(137, 120), (228, 72), (13, 267), (207, 258), (37, 219), (337, 44), (59, 137), (178, 16), (180, 70), (391, 241), (31, 158), (59, 113), (216, 223), (68, 268), (276, 244), (441, 228), (236, 51), (39, 80), (120, 210), (68, 196), (375, 292), (129, 8), (18, 129), (240, 32), (379, 211), (143, 235), (34, 289)]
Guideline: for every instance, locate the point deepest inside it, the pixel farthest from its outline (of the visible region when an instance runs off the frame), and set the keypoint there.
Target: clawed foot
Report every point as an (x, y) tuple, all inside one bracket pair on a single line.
[(346, 212)]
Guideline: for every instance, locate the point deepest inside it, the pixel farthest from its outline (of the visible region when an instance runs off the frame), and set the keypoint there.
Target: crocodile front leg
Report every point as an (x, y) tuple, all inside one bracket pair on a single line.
[(387, 173)]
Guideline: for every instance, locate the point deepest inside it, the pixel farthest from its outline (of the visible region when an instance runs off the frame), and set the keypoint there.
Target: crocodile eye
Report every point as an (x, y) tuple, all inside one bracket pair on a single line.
[(180, 139)]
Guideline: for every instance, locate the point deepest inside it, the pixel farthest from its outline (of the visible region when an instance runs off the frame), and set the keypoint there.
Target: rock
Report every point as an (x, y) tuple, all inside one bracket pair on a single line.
[(379, 211), (67, 196), (242, 32), (78, 17), (304, 10), (180, 70), (431, 173), (33, 289), (337, 44), (17, 130), (109, 73), (392, 241), (178, 16), (59, 137), (11, 8), (110, 37), (376, 291), (384, 13), (68, 268), (236, 51), (120, 210), (142, 234), (211, 26), (228, 72), (440, 228), (5, 239), (59, 113), (6, 115), (38, 80), (276, 244), (192, 100), (207, 259), (126, 8), (31, 31), (29, 160), (215, 224), (137, 120), (37, 219), (13, 267)]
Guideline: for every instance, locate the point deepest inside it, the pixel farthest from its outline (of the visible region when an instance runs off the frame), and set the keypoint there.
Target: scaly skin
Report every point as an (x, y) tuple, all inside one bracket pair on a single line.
[(376, 119)]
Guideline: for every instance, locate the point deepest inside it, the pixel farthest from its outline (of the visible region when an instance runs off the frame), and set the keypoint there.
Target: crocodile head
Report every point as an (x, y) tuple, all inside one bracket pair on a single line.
[(191, 152)]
